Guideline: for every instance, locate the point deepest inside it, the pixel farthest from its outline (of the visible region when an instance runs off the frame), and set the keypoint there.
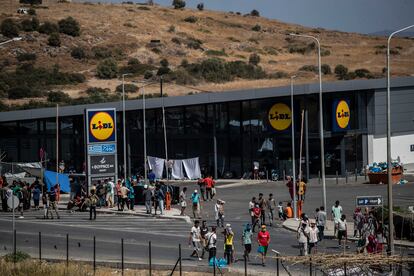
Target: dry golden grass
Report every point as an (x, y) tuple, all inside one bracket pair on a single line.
[(131, 29)]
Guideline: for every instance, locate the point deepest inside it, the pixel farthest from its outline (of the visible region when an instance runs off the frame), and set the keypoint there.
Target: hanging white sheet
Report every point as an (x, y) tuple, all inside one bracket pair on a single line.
[(192, 168), (177, 169), (156, 165)]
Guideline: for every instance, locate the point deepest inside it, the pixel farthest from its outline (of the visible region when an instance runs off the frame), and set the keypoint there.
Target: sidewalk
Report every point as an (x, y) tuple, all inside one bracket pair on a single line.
[(293, 224), (139, 210)]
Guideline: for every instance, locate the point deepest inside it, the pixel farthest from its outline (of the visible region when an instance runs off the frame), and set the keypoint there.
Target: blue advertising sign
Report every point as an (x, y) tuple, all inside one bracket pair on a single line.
[(101, 148), (369, 201), (341, 113), (101, 125)]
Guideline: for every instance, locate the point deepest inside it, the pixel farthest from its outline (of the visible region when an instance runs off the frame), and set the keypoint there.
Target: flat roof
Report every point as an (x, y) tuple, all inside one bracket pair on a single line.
[(205, 98)]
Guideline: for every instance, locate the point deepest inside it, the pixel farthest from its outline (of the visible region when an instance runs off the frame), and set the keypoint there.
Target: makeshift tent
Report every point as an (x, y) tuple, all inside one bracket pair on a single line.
[(177, 170), (50, 181), (192, 168), (156, 165)]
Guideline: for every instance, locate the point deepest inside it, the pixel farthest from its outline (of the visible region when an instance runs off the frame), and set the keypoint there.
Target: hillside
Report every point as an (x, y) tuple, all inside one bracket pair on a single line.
[(124, 33)]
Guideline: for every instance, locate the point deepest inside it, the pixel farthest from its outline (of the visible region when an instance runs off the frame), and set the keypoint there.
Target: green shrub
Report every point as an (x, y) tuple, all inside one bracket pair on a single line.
[(164, 62), (190, 19), (54, 40), (58, 97), (182, 77), (184, 63), (69, 26), (31, 11), (136, 68), (200, 6), (362, 73), (163, 71), (254, 13), (26, 57), (194, 43), (9, 28), (241, 69), (254, 59), (310, 68), (279, 75), (256, 28), (325, 52), (350, 76), (270, 50), (30, 25), (148, 75), (100, 52), (20, 92), (171, 29), (18, 257), (178, 4), (326, 69), (221, 52), (176, 40), (128, 87), (341, 71), (78, 53), (48, 28), (107, 69)]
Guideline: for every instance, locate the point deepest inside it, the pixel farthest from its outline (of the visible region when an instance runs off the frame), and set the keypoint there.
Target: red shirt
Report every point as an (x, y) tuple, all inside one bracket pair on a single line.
[(263, 238), (209, 182)]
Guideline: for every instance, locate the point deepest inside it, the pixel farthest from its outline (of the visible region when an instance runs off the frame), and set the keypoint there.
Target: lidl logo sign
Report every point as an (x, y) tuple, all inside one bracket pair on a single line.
[(280, 116), (101, 125), (342, 115)]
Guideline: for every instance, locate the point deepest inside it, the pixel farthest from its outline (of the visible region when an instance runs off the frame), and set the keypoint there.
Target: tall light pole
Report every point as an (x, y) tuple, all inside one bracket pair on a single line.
[(293, 147), (320, 116), (11, 40), (124, 125), (164, 127), (389, 171)]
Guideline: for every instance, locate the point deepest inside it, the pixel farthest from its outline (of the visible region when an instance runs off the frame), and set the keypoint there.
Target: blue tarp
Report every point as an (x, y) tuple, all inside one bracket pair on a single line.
[(50, 181)]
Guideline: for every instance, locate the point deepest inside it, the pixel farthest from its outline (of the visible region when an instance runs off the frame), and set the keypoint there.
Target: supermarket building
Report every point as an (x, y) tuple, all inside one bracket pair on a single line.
[(235, 128)]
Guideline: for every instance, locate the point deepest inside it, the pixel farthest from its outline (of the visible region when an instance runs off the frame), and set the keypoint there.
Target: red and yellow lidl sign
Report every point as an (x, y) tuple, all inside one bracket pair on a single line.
[(342, 115), (280, 116), (101, 125)]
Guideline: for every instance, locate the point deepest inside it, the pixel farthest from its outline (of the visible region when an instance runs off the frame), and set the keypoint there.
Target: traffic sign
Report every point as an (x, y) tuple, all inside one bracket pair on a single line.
[(13, 202), (369, 201)]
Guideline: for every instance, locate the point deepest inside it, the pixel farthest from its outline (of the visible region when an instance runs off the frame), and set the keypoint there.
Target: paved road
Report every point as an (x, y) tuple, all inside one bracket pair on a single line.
[(166, 234)]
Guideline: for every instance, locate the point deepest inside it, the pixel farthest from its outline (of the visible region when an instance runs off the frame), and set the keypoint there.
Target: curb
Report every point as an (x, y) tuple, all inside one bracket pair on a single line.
[(353, 239), (185, 218)]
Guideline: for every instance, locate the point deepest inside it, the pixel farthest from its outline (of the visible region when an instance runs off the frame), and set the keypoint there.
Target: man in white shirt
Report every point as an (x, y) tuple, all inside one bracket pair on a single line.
[(342, 231), (211, 238), (109, 187), (321, 222), (313, 237), (194, 239), (336, 215), (303, 237)]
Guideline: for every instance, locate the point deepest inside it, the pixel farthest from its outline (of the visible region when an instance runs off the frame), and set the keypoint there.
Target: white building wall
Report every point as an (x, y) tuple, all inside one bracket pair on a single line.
[(400, 147)]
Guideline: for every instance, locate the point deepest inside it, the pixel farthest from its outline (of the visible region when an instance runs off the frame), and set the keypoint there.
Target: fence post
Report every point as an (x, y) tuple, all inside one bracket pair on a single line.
[(14, 245), (122, 255), (345, 269), (94, 253), (346, 176), (319, 177), (277, 264), (245, 265), (310, 266), (67, 249), (337, 178), (214, 266), (356, 175), (149, 256), (40, 246), (179, 255)]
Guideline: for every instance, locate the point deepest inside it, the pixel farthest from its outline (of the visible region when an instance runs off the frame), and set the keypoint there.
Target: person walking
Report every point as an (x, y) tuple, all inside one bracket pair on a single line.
[(257, 214), (147, 198), (211, 238), (336, 215), (124, 196), (109, 193), (302, 189), (195, 198), (202, 184), (131, 195), (203, 233), (159, 199), (263, 239), (118, 189), (358, 222), (252, 204), (219, 212), (36, 196), (280, 211), (342, 232), (52, 202), (303, 238), (321, 222), (289, 184), (183, 200), (247, 240), (194, 240), (228, 244), (313, 238), (209, 183), (271, 205), (262, 204), (93, 201)]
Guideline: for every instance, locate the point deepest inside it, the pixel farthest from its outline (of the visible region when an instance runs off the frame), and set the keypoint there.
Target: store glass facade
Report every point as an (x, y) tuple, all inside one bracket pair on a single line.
[(241, 130)]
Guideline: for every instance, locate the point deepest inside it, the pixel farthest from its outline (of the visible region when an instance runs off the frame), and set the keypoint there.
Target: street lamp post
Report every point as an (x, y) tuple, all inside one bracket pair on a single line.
[(11, 40), (320, 115), (389, 171), (293, 147), (124, 125), (164, 127)]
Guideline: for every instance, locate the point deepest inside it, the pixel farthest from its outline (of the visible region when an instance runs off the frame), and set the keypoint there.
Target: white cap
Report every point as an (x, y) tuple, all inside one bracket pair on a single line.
[(195, 191), (145, 186)]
